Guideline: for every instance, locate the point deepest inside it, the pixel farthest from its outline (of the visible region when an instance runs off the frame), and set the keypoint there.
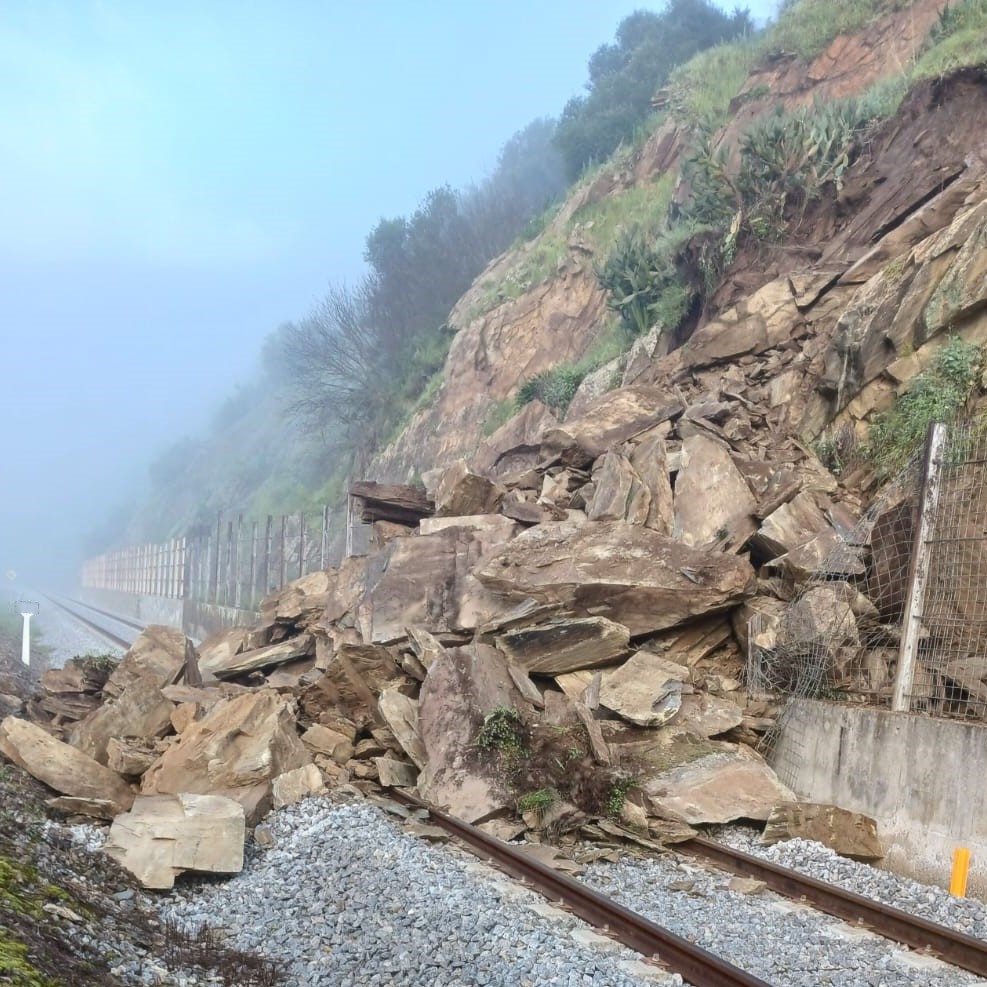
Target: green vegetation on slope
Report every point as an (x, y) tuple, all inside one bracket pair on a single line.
[(287, 440), (939, 394)]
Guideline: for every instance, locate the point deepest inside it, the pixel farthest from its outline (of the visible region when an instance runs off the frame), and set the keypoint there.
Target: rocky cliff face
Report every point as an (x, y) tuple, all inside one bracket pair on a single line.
[(825, 326)]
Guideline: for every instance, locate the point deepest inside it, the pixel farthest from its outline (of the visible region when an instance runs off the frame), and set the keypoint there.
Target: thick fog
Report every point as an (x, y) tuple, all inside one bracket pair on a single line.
[(178, 179)]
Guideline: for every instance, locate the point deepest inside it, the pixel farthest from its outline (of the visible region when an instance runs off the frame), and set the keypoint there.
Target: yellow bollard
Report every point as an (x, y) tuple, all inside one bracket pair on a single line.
[(961, 867)]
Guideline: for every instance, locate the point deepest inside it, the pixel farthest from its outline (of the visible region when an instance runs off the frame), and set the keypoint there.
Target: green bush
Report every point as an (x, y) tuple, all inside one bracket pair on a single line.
[(646, 279), (539, 801), (501, 730), (555, 388), (702, 89), (937, 395)]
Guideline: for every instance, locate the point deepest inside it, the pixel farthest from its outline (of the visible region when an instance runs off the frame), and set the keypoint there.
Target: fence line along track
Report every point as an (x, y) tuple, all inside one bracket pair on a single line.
[(92, 625), (695, 964), (953, 947)]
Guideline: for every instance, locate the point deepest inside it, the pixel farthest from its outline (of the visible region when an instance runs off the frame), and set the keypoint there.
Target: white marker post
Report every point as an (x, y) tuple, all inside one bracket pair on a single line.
[(26, 639), (27, 610)]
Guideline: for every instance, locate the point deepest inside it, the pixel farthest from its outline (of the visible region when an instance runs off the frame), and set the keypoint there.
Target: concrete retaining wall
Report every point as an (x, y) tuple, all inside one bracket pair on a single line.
[(922, 779), (202, 619), (145, 608)]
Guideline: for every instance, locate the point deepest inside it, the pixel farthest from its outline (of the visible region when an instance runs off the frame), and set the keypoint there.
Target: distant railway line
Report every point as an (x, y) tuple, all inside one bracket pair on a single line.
[(119, 631)]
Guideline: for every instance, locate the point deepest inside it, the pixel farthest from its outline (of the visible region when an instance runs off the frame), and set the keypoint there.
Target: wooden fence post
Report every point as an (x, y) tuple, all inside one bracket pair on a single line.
[(237, 595)]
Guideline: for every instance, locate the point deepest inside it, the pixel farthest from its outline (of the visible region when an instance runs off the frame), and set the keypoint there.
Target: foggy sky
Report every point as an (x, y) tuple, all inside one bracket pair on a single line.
[(178, 179)]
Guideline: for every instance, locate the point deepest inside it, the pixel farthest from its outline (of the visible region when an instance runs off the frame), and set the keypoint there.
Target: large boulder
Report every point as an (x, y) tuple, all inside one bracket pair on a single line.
[(160, 653), (236, 750), (850, 834), (62, 767), (619, 494), (700, 781), (614, 418), (626, 573), (565, 644), (713, 502), (223, 665), (463, 685), (164, 835), (427, 581), (141, 710)]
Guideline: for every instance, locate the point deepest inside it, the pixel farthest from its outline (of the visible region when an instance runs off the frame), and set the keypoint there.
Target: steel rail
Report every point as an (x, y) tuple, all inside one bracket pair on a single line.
[(696, 965), (106, 613), (92, 625), (956, 948)]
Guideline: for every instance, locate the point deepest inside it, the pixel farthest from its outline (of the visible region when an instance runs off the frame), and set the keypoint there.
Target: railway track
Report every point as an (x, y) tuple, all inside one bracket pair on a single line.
[(696, 965), (98, 628), (892, 923)]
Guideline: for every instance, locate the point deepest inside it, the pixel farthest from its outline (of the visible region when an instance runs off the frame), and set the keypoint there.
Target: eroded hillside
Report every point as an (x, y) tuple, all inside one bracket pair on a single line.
[(824, 317)]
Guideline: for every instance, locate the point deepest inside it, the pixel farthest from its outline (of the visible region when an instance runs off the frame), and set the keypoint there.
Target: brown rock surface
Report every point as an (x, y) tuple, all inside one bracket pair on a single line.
[(141, 710), (565, 645), (400, 713), (236, 750), (462, 687), (61, 766), (459, 492), (713, 502), (720, 783), (850, 834), (646, 689), (615, 417), (650, 462), (631, 575), (164, 835), (160, 652), (619, 493), (228, 666)]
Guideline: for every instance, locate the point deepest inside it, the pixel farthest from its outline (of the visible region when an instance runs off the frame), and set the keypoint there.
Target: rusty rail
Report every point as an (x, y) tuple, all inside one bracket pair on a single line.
[(696, 965), (956, 948)]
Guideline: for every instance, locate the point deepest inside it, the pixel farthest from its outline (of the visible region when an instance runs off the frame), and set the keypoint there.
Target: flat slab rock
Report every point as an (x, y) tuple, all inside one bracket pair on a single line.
[(565, 645), (164, 835), (62, 767), (721, 783), (161, 653), (850, 834), (463, 685), (626, 573)]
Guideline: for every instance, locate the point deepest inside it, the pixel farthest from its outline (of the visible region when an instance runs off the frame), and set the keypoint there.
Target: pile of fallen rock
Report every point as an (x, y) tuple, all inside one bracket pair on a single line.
[(554, 644)]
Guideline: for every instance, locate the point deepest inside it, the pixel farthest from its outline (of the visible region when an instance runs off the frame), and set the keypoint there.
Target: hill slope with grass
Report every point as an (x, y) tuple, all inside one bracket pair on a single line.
[(797, 225)]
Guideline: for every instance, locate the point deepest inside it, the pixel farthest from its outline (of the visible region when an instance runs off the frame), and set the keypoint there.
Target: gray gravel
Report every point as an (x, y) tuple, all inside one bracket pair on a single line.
[(968, 915), (66, 638), (782, 942), (345, 898)]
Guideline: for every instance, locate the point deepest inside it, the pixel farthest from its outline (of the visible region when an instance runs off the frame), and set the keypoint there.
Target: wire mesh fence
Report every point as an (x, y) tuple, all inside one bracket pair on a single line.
[(896, 614), (234, 563)]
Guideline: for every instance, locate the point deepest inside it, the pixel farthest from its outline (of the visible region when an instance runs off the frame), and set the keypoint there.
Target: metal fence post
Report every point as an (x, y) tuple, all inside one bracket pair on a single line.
[(911, 624)]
